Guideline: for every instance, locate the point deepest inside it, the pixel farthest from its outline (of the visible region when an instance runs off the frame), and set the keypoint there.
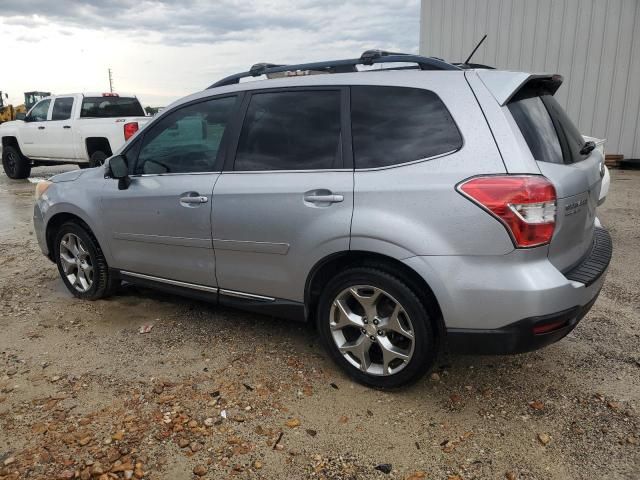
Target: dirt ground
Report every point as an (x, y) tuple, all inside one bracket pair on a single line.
[(218, 393)]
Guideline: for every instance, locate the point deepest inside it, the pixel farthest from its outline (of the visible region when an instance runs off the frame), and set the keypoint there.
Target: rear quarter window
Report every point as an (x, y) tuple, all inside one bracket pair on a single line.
[(109, 107), (549, 132), (394, 125)]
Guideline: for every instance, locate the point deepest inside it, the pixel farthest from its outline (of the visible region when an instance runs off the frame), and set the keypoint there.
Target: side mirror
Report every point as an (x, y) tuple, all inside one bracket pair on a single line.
[(119, 170), (21, 116)]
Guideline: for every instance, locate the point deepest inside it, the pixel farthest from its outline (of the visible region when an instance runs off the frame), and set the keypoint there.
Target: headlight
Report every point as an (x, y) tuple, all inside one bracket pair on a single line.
[(42, 187)]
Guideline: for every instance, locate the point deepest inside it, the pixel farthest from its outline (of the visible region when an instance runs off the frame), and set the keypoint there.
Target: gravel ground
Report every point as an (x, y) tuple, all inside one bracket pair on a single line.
[(218, 393)]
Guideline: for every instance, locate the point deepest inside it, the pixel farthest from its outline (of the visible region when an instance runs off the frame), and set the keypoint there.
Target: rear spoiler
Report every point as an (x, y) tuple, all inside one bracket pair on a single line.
[(504, 85)]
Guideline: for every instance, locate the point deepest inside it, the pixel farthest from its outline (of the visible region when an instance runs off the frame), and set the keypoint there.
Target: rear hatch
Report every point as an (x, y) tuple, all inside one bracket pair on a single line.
[(574, 166)]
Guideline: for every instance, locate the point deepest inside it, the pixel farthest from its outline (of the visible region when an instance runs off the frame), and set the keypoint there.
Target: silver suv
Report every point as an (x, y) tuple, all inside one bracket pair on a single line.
[(401, 208)]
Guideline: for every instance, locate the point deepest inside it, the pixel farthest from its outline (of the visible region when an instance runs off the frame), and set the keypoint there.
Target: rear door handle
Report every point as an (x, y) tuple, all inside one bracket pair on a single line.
[(196, 199), (324, 198), (67, 126), (40, 128)]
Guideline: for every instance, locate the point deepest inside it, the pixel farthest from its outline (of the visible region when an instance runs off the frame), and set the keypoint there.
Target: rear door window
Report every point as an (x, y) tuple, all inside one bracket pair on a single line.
[(62, 108), (549, 132), (109, 107), (295, 130), (394, 125)]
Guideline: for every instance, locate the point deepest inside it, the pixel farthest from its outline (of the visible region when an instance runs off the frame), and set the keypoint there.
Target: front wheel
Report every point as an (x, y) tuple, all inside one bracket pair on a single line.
[(15, 165), (376, 328), (81, 263)]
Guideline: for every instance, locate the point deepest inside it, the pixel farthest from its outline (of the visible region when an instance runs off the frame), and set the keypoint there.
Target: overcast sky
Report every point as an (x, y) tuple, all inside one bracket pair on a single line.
[(163, 50)]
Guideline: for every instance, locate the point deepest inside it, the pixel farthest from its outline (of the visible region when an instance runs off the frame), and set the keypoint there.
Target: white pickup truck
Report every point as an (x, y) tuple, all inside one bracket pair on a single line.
[(84, 129)]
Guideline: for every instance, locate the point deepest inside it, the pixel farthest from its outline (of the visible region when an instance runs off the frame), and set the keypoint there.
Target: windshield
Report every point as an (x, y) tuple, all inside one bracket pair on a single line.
[(108, 107)]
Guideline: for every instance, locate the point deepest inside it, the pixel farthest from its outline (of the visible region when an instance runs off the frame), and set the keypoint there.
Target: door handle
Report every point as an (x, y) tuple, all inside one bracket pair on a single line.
[(194, 200), (67, 126), (40, 128), (324, 198)]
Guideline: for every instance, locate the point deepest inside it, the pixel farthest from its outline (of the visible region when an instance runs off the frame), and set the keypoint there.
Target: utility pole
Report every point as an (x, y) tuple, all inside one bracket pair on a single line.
[(110, 81)]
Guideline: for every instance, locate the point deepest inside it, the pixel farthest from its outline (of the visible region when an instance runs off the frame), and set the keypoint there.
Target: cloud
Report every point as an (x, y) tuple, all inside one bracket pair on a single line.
[(392, 23), (162, 49)]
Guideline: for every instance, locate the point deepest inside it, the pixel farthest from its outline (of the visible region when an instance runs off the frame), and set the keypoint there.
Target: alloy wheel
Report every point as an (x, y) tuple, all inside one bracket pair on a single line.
[(76, 262), (372, 330)]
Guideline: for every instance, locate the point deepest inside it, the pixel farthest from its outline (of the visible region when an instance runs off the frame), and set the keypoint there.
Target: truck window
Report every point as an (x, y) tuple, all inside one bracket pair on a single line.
[(62, 108), (109, 107), (39, 112)]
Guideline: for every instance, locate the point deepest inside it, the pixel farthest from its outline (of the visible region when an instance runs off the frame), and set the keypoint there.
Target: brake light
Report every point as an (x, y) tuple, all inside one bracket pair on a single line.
[(525, 204), (129, 129), (110, 94)]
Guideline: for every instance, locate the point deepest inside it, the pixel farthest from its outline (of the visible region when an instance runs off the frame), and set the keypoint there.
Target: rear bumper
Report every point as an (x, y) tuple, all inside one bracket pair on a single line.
[(491, 304), (520, 336), (593, 266)]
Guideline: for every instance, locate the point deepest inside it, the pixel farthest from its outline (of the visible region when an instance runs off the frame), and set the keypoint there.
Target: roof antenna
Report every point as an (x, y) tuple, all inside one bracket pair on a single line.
[(466, 62)]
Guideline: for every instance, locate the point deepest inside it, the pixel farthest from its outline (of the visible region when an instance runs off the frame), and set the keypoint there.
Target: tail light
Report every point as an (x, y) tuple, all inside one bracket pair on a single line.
[(525, 204), (129, 129)]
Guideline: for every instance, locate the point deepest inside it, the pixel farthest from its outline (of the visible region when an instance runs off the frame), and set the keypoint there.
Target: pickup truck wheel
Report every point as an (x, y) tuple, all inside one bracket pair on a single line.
[(97, 158), (15, 165), (375, 328)]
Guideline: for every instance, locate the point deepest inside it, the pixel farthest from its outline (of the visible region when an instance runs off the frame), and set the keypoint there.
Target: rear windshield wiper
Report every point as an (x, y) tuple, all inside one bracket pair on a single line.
[(587, 148)]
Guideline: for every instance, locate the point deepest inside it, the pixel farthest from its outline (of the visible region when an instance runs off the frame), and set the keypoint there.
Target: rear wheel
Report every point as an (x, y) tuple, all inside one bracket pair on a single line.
[(81, 263), (375, 327), (97, 158), (15, 164)]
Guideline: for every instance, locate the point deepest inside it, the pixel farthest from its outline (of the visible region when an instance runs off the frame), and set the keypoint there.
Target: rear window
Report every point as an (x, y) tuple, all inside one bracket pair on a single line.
[(107, 107), (549, 132), (394, 125)]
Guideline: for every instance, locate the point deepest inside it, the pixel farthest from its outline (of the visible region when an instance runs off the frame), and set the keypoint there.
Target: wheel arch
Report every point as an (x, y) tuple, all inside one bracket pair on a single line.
[(56, 221), (10, 140), (98, 144), (324, 269)]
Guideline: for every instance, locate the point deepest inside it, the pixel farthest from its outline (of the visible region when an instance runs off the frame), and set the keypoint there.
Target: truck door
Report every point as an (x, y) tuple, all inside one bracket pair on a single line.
[(59, 133), (32, 130)]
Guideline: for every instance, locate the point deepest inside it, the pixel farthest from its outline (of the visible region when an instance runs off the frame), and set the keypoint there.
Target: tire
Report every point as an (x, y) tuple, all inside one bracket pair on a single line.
[(98, 282), (97, 159), (15, 165), (387, 294)]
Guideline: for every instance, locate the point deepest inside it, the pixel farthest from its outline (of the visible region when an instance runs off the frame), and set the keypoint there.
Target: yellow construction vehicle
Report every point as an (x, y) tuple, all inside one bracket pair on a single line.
[(31, 98), (8, 112)]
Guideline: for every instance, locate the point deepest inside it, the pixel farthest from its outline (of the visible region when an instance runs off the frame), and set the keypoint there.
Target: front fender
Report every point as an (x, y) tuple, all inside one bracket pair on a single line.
[(9, 129), (51, 212), (73, 198)]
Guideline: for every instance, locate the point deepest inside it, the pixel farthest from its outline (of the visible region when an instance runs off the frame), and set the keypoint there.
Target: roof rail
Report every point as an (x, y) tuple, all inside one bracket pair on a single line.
[(369, 57)]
